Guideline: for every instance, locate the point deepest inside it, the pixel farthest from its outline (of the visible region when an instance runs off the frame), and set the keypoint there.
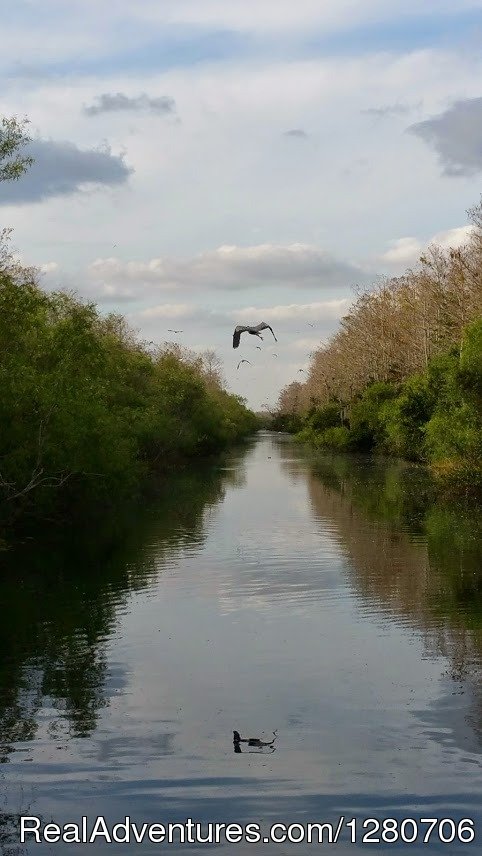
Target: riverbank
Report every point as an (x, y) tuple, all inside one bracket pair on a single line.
[(89, 412), (434, 418), (402, 375)]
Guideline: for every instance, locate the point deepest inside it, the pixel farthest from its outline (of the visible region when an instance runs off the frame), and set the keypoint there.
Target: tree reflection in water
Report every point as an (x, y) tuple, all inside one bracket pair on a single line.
[(61, 597), (409, 554)]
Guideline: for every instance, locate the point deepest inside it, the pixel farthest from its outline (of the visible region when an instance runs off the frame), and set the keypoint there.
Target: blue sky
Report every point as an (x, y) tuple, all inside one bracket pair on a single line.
[(211, 212)]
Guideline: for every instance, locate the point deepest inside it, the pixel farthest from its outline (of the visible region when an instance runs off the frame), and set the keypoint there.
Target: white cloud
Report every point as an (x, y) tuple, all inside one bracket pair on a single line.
[(405, 252), (320, 311), (49, 268), (168, 310), (228, 268), (305, 345), (284, 15)]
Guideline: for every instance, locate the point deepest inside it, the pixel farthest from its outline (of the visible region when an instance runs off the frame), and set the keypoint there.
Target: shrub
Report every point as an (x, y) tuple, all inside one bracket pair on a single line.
[(86, 411), (366, 423), (403, 418)]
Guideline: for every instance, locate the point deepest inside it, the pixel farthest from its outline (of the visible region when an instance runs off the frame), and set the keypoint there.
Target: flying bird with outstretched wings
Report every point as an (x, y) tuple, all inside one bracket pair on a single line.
[(175, 331), (253, 329), (242, 361)]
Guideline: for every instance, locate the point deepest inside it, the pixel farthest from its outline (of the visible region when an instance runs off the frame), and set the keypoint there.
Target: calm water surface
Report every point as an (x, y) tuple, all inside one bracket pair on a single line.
[(328, 599)]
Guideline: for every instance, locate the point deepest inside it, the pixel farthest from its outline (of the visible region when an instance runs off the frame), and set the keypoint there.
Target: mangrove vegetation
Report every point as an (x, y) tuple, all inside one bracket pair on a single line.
[(403, 373), (88, 410)]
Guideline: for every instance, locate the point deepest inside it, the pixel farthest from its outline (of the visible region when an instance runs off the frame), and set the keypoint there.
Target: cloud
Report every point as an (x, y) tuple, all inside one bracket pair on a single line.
[(320, 311), (228, 267), (119, 102), (284, 15), (296, 132), (307, 345), (49, 268), (397, 109), (169, 310), (456, 136), (407, 251), (61, 168)]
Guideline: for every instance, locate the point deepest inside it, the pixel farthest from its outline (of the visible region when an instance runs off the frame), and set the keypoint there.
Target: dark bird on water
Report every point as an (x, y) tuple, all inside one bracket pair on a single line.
[(253, 329), (253, 741), (175, 331), (242, 361)]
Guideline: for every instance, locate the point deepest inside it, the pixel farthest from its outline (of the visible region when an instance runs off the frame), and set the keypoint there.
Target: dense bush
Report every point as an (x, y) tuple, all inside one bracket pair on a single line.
[(321, 418), (86, 410), (366, 420), (405, 365), (404, 417), (454, 432), (433, 417)]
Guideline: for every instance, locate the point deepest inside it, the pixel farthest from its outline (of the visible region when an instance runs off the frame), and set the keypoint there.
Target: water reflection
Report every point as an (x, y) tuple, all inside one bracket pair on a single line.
[(412, 558), (62, 598), (331, 600)]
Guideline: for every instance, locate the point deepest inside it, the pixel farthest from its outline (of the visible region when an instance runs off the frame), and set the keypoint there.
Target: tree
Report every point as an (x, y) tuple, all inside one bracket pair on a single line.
[(13, 138)]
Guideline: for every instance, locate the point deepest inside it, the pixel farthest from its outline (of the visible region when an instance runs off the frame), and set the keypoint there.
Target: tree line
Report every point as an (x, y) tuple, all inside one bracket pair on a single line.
[(403, 373), (87, 409)]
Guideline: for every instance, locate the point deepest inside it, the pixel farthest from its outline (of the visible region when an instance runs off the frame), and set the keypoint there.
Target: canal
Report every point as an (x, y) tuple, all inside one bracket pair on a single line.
[(328, 605)]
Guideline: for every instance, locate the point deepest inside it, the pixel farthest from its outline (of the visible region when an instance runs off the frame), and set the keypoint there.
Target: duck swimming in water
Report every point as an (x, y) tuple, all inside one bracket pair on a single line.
[(253, 741)]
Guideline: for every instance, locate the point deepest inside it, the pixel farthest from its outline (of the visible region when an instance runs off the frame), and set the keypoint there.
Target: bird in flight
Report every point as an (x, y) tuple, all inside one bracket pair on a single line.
[(175, 331), (242, 361), (301, 370), (258, 347), (253, 329), (275, 355), (310, 325)]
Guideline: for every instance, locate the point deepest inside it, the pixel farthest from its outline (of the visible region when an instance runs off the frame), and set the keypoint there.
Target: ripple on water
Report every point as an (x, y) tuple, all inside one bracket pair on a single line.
[(321, 598)]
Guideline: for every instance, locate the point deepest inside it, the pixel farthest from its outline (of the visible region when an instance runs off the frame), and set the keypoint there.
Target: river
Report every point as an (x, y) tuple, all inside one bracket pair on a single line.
[(327, 599)]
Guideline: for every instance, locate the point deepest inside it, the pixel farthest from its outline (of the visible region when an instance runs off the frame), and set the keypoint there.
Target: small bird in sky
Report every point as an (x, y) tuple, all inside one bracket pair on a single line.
[(310, 325), (258, 347), (253, 329), (275, 355), (301, 370), (175, 331), (243, 361)]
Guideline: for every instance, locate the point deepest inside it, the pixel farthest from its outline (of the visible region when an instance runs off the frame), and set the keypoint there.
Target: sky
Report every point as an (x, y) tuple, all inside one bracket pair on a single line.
[(204, 163)]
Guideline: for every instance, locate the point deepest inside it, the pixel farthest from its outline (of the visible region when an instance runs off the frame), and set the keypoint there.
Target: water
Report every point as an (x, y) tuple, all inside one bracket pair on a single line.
[(327, 599)]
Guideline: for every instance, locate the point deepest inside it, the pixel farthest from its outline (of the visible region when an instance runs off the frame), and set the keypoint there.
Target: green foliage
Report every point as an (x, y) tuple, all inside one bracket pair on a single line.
[(366, 423), (336, 438), (471, 361), (12, 139), (454, 432), (86, 411), (435, 417), (404, 418), (321, 418), (290, 422)]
